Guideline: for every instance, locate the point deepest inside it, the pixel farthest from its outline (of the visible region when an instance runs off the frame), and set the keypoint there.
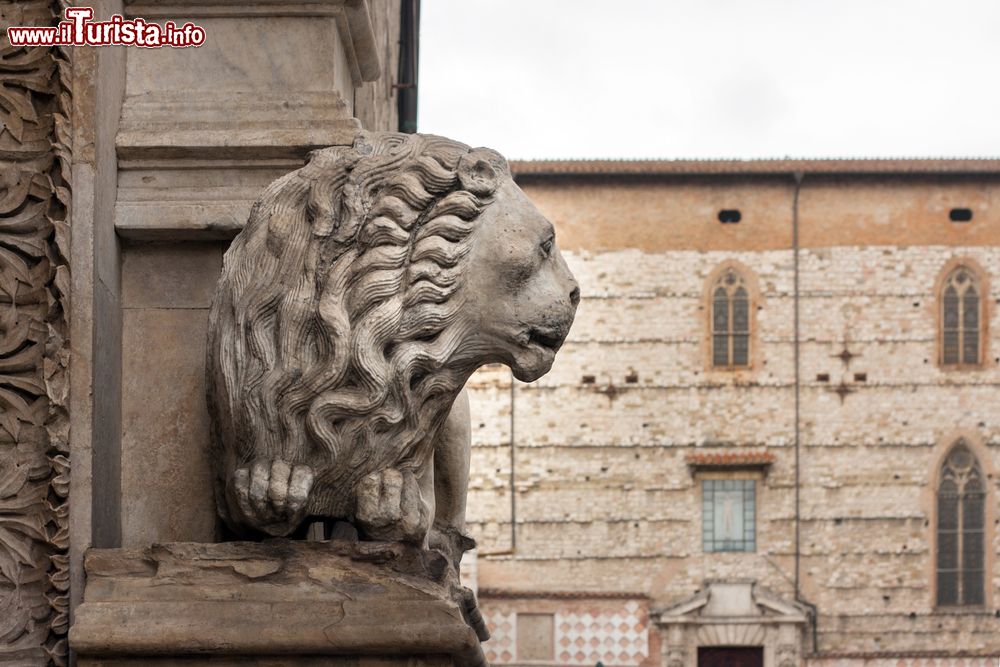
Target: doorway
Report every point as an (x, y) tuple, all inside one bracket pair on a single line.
[(731, 656)]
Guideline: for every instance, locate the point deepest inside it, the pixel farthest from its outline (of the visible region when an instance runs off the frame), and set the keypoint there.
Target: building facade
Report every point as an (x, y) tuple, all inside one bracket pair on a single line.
[(772, 436)]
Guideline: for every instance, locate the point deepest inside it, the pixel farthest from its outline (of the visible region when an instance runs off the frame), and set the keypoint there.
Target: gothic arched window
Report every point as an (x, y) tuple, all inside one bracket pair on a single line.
[(730, 321), (961, 520), (961, 318)]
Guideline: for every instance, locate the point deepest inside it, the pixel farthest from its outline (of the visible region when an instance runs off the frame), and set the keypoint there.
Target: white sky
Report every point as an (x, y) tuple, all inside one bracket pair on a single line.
[(713, 78)]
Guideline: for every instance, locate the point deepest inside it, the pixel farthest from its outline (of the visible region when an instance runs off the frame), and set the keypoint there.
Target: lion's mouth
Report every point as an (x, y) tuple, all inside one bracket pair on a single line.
[(547, 339)]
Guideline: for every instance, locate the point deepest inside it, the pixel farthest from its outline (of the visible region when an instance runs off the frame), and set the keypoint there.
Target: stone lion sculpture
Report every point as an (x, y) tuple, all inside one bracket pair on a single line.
[(363, 292)]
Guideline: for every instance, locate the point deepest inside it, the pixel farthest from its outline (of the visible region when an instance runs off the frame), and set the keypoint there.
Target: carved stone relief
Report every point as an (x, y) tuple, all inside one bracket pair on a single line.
[(675, 656), (787, 655), (34, 348), (363, 292)]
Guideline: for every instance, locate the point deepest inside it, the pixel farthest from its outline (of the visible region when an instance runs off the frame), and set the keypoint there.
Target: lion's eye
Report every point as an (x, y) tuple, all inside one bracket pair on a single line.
[(547, 247)]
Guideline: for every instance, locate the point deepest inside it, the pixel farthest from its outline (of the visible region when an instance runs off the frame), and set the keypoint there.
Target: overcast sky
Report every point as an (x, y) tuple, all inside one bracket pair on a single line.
[(713, 78)]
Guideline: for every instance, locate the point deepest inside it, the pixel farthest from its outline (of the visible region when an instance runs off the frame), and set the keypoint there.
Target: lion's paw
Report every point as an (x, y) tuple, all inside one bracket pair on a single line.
[(389, 507), (272, 495)]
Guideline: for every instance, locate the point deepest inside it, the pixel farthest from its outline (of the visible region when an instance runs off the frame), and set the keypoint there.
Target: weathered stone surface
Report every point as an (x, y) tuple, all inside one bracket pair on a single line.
[(95, 393), (166, 292), (170, 275), (272, 602), (165, 460)]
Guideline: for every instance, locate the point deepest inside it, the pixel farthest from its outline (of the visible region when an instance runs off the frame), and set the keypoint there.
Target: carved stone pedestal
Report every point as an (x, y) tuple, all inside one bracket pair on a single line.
[(274, 603)]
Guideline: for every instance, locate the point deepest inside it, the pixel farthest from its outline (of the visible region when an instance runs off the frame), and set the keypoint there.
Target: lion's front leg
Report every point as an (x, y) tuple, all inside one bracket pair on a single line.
[(271, 494), (429, 509), (390, 507)]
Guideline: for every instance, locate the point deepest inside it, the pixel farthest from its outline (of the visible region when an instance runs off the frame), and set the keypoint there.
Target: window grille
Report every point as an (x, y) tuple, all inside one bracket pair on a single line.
[(729, 511)]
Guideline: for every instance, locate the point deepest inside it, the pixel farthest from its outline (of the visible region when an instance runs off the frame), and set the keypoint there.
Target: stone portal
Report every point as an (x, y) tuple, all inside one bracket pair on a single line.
[(734, 615)]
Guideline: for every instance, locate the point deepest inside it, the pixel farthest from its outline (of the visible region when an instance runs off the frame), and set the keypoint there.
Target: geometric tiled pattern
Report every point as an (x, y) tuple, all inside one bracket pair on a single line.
[(503, 636), (616, 638)]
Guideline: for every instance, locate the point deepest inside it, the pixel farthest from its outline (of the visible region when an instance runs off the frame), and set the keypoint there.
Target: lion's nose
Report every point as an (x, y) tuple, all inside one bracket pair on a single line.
[(574, 296)]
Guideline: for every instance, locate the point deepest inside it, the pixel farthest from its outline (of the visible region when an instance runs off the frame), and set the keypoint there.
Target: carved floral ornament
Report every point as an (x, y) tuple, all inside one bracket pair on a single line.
[(34, 289)]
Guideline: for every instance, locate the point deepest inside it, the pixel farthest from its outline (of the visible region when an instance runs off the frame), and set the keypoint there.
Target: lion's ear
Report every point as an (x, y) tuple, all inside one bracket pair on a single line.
[(480, 171)]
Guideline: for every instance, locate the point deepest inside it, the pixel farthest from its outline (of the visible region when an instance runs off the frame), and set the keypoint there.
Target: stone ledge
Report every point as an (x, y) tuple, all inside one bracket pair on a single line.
[(246, 125), (287, 600), (171, 221)]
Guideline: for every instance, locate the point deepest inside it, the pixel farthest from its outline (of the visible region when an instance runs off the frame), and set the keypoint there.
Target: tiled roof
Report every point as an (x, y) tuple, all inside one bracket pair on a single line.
[(762, 167), (724, 459)]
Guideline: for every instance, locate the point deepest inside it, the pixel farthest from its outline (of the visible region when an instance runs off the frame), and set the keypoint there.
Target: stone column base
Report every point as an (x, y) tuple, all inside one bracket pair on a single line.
[(280, 602)]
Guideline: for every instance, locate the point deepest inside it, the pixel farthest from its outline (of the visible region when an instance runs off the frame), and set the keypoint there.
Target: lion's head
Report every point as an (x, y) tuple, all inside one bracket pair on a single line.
[(364, 290)]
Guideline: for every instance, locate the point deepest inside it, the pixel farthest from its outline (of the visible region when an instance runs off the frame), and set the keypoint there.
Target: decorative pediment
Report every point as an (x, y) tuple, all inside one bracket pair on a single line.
[(775, 606), (732, 601)]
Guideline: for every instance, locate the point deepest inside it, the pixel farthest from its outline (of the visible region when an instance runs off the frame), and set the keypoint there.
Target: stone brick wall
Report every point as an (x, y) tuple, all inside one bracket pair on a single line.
[(603, 498)]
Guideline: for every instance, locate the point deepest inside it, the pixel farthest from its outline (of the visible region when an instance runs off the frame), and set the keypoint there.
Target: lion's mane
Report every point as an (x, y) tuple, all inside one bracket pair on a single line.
[(338, 310)]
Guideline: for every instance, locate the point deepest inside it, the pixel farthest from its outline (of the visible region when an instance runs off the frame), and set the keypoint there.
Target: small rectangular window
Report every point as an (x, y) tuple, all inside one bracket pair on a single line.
[(729, 512), (536, 637), (730, 216)]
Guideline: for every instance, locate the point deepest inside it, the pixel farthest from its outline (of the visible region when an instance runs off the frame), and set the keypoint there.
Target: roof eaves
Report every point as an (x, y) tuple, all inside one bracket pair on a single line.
[(556, 168)]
